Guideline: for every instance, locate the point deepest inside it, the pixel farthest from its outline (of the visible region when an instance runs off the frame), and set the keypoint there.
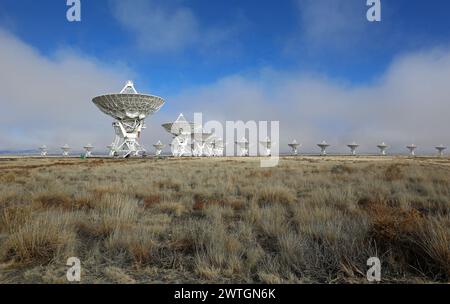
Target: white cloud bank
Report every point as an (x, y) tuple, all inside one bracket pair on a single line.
[(48, 100), (410, 103)]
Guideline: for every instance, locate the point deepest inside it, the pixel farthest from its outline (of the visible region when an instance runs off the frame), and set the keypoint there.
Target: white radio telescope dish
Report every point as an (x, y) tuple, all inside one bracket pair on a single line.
[(383, 147), (323, 147), (412, 149), (243, 146), (294, 146), (129, 109), (267, 145), (158, 148), (441, 149), (353, 146), (65, 150), (189, 139), (88, 148), (43, 150)]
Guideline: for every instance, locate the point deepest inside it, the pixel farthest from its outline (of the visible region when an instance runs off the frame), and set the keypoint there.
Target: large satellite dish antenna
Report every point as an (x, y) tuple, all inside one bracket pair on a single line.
[(200, 143), (66, 150), (216, 146), (267, 145), (88, 148), (294, 146), (412, 149), (159, 146), (353, 146), (129, 109), (43, 150), (383, 147), (441, 149), (189, 139), (243, 146), (323, 148), (181, 131)]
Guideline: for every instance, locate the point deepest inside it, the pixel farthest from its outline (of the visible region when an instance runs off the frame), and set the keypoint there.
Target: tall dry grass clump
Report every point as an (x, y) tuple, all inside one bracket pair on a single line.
[(41, 240)]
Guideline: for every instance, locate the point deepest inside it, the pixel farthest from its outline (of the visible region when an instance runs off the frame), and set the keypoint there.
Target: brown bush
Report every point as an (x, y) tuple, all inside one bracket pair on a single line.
[(393, 173), (151, 200), (39, 241), (418, 242), (341, 169), (276, 194), (54, 200), (201, 201)]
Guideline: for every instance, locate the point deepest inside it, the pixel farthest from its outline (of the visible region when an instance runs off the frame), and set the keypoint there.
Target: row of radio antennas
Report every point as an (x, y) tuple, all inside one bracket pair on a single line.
[(383, 147), (66, 150), (216, 148)]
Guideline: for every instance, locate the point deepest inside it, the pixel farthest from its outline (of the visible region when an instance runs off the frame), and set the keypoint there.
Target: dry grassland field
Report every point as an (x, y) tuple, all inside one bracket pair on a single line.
[(225, 220)]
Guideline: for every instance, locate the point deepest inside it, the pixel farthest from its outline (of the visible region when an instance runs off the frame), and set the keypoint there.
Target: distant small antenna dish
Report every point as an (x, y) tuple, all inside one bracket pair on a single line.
[(88, 148), (412, 149), (111, 149), (65, 150), (243, 146), (441, 149), (159, 146), (323, 148), (383, 147), (183, 137), (294, 146), (43, 150), (267, 145), (353, 146), (216, 145)]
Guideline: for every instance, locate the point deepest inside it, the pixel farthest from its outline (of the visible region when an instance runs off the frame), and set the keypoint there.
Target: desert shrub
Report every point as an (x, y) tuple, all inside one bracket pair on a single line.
[(393, 172), (12, 217), (201, 201), (40, 240), (420, 243), (138, 243), (341, 169), (54, 200), (151, 200), (9, 177), (111, 212), (276, 194), (118, 275)]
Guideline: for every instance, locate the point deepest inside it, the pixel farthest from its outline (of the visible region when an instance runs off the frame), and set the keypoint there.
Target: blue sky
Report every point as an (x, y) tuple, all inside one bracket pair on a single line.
[(188, 51), (263, 33)]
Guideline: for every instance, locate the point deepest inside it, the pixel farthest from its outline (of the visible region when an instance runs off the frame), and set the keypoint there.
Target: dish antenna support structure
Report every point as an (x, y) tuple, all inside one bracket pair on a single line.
[(159, 146), (383, 147), (181, 131), (200, 144), (267, 145), (66, 150), (43, 150), (129, 109), (353, 146), (110, 149), (412, 149), (243, 146), (216, 146), (323, 148), (441, 149), (88, 148), (189, 139), (294, 145)]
